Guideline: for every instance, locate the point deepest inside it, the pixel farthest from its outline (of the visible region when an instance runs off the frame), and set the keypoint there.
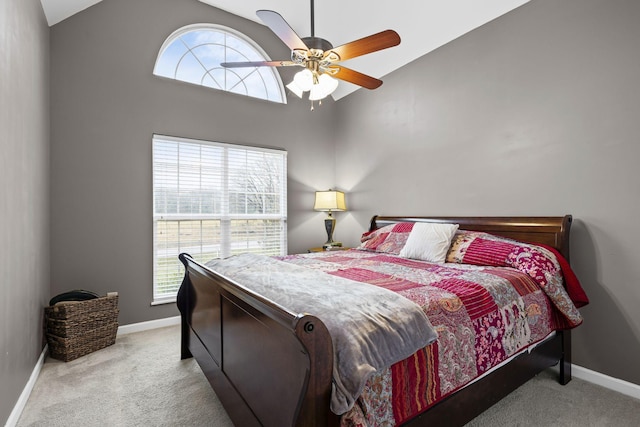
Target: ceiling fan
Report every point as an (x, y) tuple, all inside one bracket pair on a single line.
[(319, 58)]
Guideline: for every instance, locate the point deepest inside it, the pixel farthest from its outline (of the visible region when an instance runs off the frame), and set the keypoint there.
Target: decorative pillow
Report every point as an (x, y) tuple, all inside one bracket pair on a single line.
[(480, 248), (388, 239), (429, 242), (483, 249), (541, 264), (459, 244)]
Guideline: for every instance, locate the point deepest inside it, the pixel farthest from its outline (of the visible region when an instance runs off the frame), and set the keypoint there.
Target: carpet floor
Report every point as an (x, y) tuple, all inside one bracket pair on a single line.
[(141, 381)]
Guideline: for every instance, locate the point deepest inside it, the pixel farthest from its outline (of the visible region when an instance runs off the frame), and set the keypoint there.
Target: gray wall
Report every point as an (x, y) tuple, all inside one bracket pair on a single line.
[(535, 113), (105, 107), (24, 193)]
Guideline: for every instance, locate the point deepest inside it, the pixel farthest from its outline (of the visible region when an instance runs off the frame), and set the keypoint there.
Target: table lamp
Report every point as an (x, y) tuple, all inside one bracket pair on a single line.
[(329, 201)]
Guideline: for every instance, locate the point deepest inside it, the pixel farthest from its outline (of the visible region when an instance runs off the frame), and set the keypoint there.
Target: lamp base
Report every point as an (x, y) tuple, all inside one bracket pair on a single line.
[(330, 245), (330, 225)]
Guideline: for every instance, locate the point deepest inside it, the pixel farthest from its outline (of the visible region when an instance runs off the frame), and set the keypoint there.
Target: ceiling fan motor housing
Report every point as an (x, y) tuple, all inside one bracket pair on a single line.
[(317, 43)]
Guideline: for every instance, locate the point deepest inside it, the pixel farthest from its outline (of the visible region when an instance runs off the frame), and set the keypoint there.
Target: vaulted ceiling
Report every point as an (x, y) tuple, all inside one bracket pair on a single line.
[(423, 25)]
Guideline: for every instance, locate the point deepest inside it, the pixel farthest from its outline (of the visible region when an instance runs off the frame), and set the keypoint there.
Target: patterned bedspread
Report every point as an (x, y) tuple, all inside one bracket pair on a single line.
[(482, 314), (362, 343)]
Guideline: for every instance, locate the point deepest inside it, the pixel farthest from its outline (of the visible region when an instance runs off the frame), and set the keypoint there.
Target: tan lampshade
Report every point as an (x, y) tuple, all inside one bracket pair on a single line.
[(330, 201)]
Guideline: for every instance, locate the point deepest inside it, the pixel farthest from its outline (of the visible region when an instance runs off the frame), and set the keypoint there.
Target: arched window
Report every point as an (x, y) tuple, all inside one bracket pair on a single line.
[(193, 54)]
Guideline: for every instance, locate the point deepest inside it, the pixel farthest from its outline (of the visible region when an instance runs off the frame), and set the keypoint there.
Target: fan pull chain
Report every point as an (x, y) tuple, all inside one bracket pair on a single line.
[(313, 104)]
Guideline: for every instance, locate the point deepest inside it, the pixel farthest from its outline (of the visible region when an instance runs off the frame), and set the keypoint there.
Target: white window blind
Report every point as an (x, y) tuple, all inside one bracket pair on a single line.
[(214, 200)]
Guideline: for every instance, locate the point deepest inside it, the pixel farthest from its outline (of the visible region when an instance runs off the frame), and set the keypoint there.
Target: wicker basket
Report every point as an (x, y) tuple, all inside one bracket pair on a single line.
[(74, 329)]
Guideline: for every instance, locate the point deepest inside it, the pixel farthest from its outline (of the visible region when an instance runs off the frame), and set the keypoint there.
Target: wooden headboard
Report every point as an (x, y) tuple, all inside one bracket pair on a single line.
[(548, 230)]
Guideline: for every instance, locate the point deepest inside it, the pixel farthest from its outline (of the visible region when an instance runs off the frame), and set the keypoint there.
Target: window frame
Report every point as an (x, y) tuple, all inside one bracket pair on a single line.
[(221, 28), (225, 216)]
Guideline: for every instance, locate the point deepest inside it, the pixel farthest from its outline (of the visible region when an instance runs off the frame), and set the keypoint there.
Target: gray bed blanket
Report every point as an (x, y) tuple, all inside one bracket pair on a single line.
[(371, 327)]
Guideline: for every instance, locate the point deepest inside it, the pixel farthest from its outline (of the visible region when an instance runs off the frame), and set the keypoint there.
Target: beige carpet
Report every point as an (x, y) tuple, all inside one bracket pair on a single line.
[(138, 381), (141, 381)]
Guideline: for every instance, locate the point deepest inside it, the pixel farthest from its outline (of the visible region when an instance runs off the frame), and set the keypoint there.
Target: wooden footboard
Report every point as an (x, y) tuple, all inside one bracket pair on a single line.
[(268, 366), (272, 367)]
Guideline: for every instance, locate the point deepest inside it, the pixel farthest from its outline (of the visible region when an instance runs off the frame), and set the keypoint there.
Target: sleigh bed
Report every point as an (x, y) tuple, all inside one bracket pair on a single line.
[(274, 366)]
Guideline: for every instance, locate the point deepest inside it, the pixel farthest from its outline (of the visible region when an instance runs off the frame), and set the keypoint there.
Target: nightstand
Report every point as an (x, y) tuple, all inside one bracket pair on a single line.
[(333, 249)]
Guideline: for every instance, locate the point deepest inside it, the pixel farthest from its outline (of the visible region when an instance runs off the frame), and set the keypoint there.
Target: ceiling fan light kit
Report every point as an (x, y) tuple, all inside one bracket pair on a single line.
[(319, 58), (325, 87), (304, 80), (293, 87), (319, 86)]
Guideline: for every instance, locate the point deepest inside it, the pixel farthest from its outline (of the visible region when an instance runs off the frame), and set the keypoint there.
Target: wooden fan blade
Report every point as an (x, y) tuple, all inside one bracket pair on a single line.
[(279, 26), (369, 44), (355, 77), (258, 64)]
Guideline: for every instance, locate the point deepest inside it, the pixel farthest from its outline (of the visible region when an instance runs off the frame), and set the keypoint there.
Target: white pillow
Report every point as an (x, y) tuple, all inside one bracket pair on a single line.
[(429, 242)]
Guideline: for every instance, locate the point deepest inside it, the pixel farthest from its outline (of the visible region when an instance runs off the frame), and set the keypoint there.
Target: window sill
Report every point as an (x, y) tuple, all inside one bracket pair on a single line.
[(163, 301)]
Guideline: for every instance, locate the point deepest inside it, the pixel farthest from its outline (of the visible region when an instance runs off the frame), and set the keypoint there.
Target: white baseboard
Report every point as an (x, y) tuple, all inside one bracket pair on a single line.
[(26, 392), (151, 324), (615, 384)]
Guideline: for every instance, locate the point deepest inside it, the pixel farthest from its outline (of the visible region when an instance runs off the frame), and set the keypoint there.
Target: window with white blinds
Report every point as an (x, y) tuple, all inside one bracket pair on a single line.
[(214, 200)]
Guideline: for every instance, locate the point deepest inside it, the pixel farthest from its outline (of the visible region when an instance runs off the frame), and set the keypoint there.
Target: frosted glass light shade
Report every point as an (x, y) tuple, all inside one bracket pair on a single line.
[(325, 87), (304, 79), (319, 87), (293, 87)]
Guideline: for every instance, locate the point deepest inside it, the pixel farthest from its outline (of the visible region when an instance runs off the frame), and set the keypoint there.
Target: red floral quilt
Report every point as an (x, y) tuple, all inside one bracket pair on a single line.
[(483, 314)]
